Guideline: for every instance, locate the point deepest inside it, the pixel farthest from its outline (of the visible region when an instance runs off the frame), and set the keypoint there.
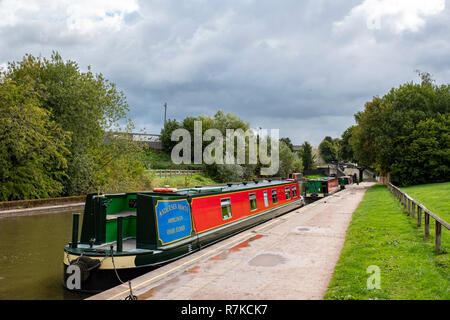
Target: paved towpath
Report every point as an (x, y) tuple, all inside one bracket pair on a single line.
[(290, 257)]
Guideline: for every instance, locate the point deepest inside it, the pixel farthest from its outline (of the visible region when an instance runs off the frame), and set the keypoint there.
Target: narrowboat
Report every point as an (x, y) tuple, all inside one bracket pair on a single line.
[(343, 181), (126, 235), (321, 187)]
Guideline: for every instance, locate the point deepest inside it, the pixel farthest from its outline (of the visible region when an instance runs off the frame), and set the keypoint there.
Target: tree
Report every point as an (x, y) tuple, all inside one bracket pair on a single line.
[(307, 156), (85, 105), (387, 133), (288, 142), (346, 152), (33, 147), (166, 135), (298, 163), (286, 160), (328, 150), (116, 165), (427, 153)]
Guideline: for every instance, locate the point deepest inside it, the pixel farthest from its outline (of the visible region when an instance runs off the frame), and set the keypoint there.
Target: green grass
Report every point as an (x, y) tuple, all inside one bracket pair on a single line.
[(182, 181), (315, 176), (435, 196), (154, 159), (381, 234)]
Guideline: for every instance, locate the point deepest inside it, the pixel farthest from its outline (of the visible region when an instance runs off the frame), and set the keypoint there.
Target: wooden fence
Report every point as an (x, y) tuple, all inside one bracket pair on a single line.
[(416, 209), (166, 173)]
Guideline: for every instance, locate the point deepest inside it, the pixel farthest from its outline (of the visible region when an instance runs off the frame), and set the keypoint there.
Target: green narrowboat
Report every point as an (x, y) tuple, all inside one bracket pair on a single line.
[(321, 187), (345, 180)]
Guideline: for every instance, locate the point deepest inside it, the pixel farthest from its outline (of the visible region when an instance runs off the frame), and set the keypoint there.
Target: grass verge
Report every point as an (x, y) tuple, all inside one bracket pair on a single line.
[(434, 196), (382, 235), (315, 176), (182, 181)]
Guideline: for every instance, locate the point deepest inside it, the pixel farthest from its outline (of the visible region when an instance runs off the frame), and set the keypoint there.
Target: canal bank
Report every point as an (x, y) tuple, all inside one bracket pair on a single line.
[(290, 257), (67, 207)]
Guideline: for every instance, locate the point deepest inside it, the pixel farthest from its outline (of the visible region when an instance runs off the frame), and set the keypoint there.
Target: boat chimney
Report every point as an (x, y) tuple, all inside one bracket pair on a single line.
[(75, 224)]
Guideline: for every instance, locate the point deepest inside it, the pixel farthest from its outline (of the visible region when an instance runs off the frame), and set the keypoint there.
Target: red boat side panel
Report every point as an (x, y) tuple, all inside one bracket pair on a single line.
[(207, 212), (333, 185)]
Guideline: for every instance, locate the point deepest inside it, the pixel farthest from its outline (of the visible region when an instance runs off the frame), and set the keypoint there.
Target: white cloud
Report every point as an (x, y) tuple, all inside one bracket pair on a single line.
[(402, 15), (81, 16)]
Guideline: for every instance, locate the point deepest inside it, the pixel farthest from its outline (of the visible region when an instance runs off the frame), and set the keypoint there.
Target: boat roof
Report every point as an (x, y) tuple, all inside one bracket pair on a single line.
[(322, 179), (231, 187)]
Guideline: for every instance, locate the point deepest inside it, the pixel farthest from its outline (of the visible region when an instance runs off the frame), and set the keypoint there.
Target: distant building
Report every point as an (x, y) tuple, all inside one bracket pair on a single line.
[(152, 140), (146, 137)]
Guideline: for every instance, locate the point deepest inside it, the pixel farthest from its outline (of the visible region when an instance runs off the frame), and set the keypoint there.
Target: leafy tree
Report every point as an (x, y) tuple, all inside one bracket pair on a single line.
[(345, 149), (328, 150), (166, 134), (387, 133), (298, 165), (427, 154), (117, 165), (85, 105), (33, 147), (288, 142), (306, 155), (286, 160)]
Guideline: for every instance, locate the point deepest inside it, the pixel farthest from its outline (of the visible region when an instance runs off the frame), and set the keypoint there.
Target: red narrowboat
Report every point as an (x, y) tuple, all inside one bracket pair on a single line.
[(126, 235)]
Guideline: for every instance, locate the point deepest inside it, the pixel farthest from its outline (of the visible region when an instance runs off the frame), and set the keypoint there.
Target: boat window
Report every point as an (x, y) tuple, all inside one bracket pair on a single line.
[(294, 191), (274, 196), (225, 205), (287, 191), (252, 198), (266, 199)]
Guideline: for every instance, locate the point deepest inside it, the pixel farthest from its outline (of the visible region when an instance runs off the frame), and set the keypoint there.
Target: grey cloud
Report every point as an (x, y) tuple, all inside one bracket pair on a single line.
[(270, 63)]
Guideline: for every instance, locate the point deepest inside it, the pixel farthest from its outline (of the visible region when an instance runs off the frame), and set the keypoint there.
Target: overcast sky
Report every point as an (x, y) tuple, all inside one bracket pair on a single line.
[(304, 67)]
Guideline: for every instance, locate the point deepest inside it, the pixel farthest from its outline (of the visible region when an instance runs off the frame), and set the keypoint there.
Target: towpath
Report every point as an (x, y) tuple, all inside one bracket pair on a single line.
[(290, 257)]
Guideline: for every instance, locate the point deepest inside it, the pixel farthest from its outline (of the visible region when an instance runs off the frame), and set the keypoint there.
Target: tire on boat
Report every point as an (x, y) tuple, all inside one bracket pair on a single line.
[(85, 264)]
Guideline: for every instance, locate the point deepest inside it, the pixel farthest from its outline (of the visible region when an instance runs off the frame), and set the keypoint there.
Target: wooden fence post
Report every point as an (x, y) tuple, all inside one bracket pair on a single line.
[(427, 225), (410, 205), (419, 216), (438, 237)]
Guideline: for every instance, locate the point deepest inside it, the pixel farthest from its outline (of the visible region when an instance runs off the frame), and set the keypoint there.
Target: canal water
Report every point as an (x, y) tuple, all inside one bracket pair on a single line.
[(31, 255)]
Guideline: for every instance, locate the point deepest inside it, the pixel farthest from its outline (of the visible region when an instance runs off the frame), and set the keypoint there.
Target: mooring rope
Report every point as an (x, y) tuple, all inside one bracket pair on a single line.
[(131, 296)]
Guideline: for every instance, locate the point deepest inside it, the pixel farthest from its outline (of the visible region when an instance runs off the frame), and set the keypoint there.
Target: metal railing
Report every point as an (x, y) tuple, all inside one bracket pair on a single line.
[(410, 206)]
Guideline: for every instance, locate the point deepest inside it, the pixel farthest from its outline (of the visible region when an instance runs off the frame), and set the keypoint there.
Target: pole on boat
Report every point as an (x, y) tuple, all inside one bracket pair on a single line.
[(75, 224), (119, 234)]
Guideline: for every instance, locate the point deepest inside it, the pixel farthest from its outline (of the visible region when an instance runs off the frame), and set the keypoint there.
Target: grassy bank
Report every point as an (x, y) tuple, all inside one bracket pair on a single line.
[(315, 176), (434, 196), (182, 181), (154, 159), (381, 234)]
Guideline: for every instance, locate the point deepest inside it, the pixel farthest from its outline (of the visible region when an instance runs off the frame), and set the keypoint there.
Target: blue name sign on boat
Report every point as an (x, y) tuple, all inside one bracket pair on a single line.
[(174, 220)]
